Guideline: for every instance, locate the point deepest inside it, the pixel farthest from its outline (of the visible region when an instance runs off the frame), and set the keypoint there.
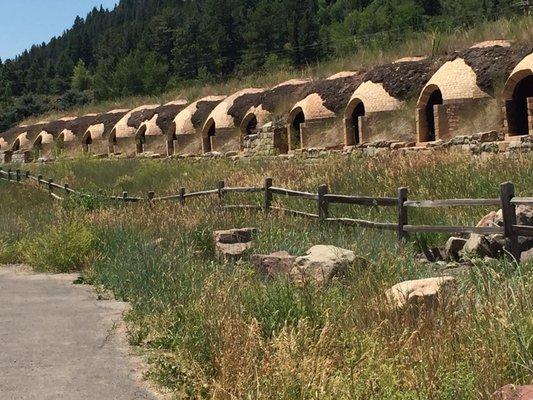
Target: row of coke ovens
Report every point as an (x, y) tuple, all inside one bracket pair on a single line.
[(488, 86)]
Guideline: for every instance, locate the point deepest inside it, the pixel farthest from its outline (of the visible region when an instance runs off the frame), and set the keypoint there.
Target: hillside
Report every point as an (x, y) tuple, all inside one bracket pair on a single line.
[(146, 47)]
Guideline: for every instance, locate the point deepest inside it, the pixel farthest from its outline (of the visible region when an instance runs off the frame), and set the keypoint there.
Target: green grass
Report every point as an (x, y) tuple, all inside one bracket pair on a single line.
[(215, 330)]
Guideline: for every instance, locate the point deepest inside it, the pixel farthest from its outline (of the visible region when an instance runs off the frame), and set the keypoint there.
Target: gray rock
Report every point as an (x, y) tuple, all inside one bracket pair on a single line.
[(482, 246), (320, 264), (490, 136), (273, 265), (453, 246)]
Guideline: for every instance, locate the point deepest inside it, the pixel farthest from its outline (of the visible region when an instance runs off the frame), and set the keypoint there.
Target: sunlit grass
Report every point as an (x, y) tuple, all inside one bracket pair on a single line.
[(214, 330)]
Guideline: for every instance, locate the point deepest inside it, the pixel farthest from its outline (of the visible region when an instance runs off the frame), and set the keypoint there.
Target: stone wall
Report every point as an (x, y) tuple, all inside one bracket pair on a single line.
[(18, 157), (271, 139), (46, 151)]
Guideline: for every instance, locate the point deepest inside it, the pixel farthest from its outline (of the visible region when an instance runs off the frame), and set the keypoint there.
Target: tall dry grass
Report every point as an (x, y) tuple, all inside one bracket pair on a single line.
[(215, 330)]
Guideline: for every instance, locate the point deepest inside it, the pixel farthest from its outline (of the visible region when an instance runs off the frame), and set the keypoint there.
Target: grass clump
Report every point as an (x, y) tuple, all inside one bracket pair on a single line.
[(66, 247)]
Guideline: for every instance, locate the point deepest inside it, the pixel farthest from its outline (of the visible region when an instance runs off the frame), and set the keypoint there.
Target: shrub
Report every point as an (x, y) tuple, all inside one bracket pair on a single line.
[(66, 247), (8, 251)]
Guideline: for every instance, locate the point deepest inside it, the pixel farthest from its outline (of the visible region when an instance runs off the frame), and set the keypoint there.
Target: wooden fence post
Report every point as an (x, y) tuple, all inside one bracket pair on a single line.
[(220, 187), (268, 195), (509, 219), (323, 205), (66, 189), (50, 188), (151, 195), (9, 174), (39, 179), (403, 218), (27, 174), (17, 172), (124, 196), (182, 195)]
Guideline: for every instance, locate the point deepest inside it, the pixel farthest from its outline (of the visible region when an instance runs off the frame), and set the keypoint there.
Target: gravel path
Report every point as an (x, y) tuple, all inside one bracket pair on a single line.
[(57, 341)]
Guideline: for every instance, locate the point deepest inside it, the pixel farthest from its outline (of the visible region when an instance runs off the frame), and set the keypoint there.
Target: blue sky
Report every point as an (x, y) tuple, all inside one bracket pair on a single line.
[(27, 22)]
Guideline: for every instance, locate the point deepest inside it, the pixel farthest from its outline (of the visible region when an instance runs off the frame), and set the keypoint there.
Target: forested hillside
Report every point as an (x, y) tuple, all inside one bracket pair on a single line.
[(147, 46)]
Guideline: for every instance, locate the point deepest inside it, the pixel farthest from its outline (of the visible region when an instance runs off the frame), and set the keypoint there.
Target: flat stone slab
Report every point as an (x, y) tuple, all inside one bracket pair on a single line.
[(57, 341)]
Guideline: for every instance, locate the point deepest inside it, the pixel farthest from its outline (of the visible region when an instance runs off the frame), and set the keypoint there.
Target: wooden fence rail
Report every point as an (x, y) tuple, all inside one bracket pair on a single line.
[(323, 199)]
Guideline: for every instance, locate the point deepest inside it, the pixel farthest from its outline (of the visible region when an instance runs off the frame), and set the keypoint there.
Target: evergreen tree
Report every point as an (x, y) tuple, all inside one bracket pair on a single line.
[(81, 78), (141, 46)]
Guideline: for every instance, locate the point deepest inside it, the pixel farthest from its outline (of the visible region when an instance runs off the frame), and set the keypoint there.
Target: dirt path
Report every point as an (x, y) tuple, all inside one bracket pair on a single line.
[(57, 341)]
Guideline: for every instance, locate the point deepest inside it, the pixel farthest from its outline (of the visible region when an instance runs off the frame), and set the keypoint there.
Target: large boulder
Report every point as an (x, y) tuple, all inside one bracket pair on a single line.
[(453, 247), (321, 263), (230, 245), (512, 392), (483, 246), (273, 265), (494, 218), (420, 293), (524, 216), (493, 245)]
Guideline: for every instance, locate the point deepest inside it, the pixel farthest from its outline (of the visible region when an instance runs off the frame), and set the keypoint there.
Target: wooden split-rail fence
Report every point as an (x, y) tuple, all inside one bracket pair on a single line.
[(507, 201)]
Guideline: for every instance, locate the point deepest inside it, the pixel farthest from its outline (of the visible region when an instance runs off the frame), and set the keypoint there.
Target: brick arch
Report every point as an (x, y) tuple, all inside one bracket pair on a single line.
[(294, 121), (20, 142), (16, 145), (350, 108), (249, 123), (37, 143), (60, 141), (208, 131), (426, 94), (427, 126), (140, 138), (518, 98), (514, 80), (40, 139), (86, 141), (352, 126)]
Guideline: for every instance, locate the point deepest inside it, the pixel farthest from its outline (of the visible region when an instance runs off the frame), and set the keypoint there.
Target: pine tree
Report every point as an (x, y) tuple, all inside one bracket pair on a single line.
[(81, 78)]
